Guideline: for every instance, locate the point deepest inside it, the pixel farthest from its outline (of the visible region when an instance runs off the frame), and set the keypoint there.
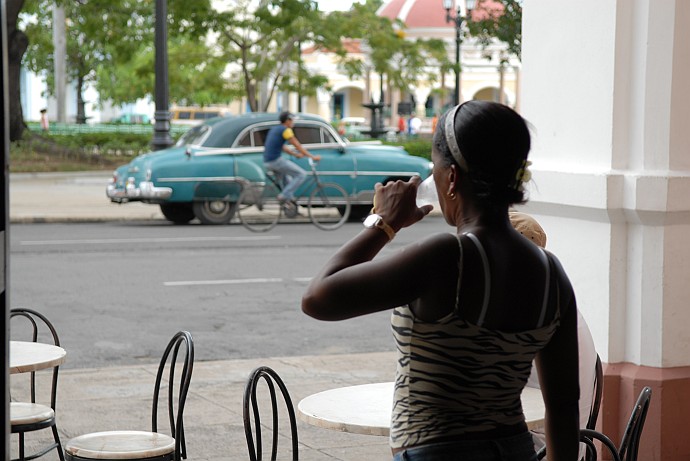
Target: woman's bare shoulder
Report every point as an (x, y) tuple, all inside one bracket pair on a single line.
[(439, 243)]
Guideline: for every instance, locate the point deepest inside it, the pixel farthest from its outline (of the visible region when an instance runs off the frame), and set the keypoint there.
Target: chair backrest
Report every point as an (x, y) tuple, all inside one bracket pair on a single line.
[(39, 327), (598, 391), (272, 379), (173, 360), (633, 431)]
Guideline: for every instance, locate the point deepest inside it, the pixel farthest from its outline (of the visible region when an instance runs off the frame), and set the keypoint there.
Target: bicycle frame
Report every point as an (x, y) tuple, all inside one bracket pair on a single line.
[(327, 204), (305, 189)]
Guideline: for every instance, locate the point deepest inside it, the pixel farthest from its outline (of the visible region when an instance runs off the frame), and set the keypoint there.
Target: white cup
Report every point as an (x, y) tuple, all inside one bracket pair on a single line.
[(426, 192)]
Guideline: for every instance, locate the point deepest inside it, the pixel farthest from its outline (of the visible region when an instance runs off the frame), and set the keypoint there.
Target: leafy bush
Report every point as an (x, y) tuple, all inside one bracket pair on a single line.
[(74, 152), (421, 147)]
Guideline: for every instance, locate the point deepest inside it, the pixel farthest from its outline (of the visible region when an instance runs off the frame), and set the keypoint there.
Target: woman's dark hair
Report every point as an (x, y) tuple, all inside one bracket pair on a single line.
[(494, 141)]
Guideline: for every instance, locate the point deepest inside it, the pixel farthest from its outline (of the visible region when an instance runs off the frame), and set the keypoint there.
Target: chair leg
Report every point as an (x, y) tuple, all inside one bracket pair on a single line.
[(21, 446), (56, 436)]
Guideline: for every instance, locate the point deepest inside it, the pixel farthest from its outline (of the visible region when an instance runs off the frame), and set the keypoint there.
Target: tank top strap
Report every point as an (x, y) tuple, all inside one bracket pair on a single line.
[(460, 264), (487, 276), (547, 286)]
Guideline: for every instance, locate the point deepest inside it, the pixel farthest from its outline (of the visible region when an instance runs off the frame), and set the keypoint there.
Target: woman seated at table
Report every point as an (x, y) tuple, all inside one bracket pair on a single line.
[(471, 310)]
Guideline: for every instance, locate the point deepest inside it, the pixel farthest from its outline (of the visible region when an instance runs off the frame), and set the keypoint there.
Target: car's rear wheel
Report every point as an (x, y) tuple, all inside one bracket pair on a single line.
[(178, 213), (214, 211)]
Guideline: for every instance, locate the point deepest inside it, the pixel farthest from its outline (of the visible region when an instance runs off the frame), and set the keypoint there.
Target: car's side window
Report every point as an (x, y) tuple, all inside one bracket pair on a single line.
[(246, 141), (259, 137), (308, 134), (327, 137)]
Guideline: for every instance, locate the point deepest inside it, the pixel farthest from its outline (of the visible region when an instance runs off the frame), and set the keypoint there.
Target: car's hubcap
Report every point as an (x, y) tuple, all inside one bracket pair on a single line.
[(217, 207)]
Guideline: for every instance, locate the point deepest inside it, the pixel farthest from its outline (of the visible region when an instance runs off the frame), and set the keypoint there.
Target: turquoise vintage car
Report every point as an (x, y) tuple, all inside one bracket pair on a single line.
[(203, 174)]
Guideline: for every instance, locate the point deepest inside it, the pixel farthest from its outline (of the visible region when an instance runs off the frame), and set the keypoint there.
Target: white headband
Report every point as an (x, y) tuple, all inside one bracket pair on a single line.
[(452, 141)]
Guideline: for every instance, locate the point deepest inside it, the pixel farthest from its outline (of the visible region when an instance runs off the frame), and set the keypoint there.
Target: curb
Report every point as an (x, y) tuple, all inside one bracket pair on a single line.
[(78, 219)]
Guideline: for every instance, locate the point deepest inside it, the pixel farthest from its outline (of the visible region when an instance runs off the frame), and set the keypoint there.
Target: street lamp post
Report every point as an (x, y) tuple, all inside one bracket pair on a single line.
[(457, 20), (161, 127)]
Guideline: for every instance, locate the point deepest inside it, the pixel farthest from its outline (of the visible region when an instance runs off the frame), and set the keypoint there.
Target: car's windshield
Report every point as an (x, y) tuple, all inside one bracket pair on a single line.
[(194, 136)]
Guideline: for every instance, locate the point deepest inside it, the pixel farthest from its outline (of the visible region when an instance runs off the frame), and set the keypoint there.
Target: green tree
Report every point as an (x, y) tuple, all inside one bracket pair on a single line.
[(96, 30), (503, 23), (262, 46), (403, 61), (194, 77), (110, 44), (17, 43)]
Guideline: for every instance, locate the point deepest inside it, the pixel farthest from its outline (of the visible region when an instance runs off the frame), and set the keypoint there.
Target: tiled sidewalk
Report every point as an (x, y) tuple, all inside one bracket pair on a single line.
[(91, 400)]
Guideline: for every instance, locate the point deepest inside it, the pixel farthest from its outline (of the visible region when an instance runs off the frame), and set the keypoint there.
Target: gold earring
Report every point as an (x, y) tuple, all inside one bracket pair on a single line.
[(451, 195)]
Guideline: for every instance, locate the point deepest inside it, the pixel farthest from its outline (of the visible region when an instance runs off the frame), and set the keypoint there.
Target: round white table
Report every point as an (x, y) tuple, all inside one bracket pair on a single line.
[(26, 356), (366, 409)]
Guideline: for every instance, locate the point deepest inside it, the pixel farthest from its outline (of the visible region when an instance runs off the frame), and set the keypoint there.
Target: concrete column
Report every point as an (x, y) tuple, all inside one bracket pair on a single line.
[(394, 99), (608, 96), (421, 93), (323, 99)]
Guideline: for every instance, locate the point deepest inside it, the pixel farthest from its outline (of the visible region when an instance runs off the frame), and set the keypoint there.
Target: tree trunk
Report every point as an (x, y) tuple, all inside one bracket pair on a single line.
[(81, 112), (251, 96), (17, 44)]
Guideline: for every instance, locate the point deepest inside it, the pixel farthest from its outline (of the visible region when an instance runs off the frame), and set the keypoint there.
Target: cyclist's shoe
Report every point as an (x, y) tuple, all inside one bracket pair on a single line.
[(290, 209)]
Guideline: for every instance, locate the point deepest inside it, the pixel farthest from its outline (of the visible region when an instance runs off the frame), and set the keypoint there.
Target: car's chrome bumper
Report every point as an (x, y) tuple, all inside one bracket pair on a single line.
[(145, 191)]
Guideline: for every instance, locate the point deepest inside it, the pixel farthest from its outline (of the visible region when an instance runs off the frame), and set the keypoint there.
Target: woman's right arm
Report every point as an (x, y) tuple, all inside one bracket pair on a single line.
[(557, 364), (351, 284)]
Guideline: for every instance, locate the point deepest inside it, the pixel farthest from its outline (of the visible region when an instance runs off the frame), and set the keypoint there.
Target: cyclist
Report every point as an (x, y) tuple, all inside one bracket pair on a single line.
[(274, 145)]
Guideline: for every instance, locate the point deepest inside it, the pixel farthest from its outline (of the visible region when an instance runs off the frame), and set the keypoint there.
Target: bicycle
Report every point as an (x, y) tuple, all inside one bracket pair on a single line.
[(328, 205)]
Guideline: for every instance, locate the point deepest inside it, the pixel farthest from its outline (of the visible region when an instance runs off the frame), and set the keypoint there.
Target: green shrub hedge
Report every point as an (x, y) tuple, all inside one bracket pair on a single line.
[(421, 147)]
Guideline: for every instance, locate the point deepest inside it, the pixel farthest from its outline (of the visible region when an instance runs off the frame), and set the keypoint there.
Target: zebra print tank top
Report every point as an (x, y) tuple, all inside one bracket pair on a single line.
[(455, 378)]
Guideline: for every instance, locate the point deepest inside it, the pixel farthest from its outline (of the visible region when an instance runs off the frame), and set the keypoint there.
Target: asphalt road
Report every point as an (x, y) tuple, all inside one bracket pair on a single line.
[(117, 290)]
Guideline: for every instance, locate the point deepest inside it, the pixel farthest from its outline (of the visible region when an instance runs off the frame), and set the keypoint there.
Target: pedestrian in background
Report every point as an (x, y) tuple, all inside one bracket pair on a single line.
[(45, 125), (415, 124), (401, 125)]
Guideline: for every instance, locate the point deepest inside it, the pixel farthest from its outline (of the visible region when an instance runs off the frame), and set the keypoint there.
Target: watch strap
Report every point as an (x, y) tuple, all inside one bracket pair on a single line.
[(382, 225)]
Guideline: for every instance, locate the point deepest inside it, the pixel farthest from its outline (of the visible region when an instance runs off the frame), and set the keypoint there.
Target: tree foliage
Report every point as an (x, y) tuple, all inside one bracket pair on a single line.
[(262, 45), (110, 43), (251, 49), (504, 24), (403, 61), (17, 42)]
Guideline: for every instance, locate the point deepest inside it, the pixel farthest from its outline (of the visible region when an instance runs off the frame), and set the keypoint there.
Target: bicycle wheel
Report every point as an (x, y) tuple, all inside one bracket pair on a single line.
[(329, 206), (259, 209)]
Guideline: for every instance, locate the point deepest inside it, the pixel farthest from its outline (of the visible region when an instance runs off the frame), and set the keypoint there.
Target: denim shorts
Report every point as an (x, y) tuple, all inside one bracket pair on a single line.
[(515, 448)]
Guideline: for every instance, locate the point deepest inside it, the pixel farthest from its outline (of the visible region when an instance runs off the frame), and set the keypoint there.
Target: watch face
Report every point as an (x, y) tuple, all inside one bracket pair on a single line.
[(371, 220)]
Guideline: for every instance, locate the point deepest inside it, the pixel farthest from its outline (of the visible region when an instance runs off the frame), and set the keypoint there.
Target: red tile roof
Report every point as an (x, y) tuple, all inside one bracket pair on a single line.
[(430, 13)]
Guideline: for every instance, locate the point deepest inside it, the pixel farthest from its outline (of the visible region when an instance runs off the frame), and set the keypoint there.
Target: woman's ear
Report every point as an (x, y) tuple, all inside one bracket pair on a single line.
[(452, 178)]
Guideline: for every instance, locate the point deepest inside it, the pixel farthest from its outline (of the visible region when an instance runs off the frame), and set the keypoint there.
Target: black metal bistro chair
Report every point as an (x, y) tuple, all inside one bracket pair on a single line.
[(251, 408), (32, 416), (630, 443), (598, 392), (153, 445)]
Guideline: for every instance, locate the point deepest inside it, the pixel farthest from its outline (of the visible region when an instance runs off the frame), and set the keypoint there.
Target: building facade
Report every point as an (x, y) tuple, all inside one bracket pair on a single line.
[(485, 74)]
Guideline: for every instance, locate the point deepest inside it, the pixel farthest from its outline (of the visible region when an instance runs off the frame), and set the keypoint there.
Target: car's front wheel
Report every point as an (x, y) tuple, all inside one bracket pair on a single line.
[(214, 211), (178, 213)]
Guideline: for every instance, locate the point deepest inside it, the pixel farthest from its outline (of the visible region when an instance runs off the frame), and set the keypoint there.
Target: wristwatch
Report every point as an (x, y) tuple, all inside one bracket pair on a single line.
[(375, 221)]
